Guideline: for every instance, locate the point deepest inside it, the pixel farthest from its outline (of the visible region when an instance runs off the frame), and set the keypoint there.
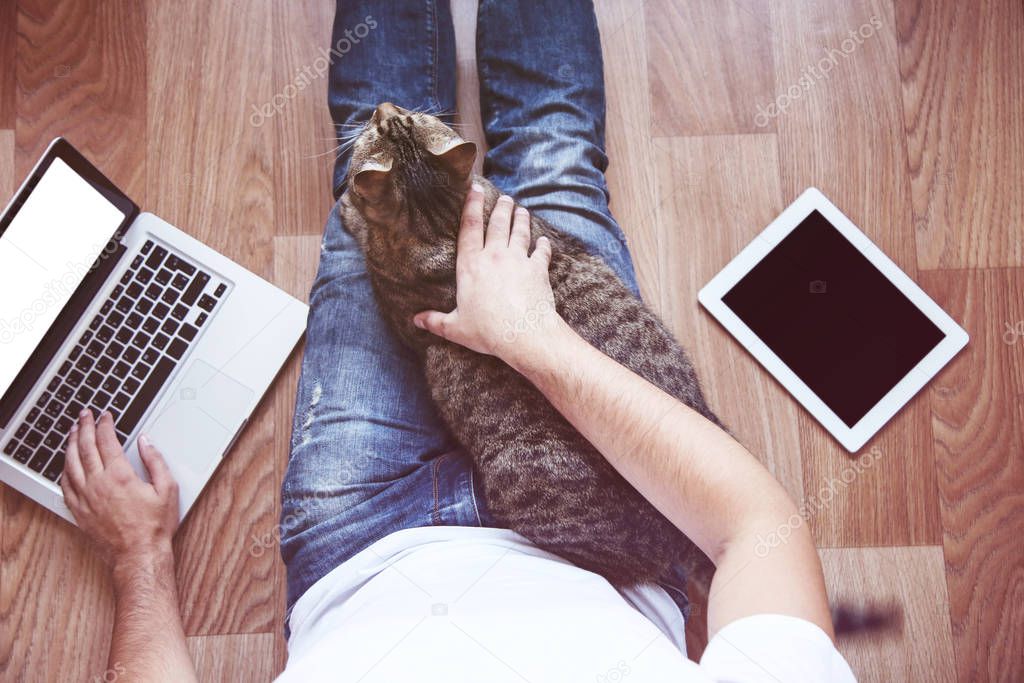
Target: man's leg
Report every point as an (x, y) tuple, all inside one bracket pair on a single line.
[(369, 454), (543, 110)]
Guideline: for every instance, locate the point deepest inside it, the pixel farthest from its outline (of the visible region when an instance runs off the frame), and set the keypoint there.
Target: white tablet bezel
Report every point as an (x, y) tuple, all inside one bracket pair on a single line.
[(852, 438)]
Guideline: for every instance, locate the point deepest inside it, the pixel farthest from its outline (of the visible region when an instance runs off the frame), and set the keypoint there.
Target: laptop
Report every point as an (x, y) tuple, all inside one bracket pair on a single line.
[(109, 308)]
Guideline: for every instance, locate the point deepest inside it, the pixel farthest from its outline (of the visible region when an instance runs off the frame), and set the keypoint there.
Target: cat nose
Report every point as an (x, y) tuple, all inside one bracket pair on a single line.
[(385, 111)]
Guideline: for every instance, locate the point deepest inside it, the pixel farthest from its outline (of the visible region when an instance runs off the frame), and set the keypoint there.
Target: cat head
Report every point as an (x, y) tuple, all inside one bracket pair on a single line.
[(410, 171)]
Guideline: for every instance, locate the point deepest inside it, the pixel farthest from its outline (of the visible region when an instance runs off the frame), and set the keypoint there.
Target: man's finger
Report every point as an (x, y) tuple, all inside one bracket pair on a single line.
[(520, 237), (87, 449), (500, 223), (542, 252), (159, 473), (106, 440), (73, 472), (471, 230), (434, 322)]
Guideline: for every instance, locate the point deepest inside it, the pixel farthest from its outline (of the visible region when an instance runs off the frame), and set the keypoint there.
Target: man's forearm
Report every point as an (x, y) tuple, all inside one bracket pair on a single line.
[(701, 479), (148, 643)]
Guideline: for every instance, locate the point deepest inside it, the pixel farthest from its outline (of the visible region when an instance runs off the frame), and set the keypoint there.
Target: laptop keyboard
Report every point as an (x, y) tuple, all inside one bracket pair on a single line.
[(131, 347)]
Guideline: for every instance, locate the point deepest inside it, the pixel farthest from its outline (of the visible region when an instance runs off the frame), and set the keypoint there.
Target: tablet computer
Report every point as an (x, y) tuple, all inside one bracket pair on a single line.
[(833, 319)]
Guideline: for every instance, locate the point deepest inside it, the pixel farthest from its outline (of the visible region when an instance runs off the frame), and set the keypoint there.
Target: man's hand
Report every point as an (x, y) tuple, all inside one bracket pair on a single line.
[(126, 517), (503, 296)]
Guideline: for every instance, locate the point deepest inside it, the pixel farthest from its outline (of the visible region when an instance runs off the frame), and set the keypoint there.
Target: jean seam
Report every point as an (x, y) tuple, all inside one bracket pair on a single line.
[(434, 48), (472, 495), (435, 468)]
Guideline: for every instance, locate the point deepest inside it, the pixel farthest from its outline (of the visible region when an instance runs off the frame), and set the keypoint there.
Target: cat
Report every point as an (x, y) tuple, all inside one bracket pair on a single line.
[(407, 183)]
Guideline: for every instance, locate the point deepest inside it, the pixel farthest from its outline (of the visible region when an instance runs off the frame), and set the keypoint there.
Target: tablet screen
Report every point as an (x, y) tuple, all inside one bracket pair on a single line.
[(830, 315)]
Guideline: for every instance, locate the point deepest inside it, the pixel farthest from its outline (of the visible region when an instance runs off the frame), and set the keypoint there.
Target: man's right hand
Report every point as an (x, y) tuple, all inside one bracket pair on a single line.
[(504, 302)]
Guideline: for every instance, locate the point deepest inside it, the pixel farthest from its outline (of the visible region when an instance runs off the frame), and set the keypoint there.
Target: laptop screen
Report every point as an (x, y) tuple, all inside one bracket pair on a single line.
[(45, 253)]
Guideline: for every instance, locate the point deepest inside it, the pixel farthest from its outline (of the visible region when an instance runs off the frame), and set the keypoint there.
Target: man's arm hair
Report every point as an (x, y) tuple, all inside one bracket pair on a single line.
[(148, 643), (694, 473)]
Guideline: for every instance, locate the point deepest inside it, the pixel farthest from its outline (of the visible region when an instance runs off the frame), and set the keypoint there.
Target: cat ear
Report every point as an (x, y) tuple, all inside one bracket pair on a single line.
[(371, 181), (458, 157)]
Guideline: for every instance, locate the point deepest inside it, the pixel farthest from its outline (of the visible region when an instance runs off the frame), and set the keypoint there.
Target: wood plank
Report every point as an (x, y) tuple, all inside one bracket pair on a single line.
[(844, 134), (711, 66), (8, 52), (81, 73), (295, 264), (304, 134), (211, 169), (55, 596), (246, 657), (962, 68), (911, 578), (977, 407)]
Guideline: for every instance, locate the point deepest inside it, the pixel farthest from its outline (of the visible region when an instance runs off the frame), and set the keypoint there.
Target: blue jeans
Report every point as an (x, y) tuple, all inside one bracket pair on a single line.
[(369, 453)]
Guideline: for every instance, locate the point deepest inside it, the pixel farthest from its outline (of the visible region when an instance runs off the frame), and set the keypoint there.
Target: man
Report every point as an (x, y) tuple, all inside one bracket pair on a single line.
[(393, 571)]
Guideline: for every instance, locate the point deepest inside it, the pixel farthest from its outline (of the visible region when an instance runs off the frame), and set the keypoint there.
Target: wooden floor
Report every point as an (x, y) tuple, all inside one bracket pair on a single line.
[(915, 128)]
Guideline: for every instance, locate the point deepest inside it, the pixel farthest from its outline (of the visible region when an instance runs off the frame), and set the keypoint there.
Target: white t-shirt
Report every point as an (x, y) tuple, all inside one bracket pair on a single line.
[(478, 605)]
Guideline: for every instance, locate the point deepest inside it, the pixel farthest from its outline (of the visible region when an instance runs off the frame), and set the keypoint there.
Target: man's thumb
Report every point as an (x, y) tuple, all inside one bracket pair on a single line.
[(434, 322)]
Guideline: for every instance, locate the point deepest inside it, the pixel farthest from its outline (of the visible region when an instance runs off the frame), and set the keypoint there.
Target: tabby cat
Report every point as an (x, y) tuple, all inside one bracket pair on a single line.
[(406, 187)]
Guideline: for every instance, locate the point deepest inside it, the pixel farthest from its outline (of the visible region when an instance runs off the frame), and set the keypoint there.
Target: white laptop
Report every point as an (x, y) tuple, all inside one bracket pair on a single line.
[(107, 308), (833, 319)]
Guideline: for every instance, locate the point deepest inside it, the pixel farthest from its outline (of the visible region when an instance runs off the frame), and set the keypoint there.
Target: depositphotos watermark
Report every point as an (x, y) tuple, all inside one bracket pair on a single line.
[(814, 73), (306, 75), (54, 293), (814, 504)]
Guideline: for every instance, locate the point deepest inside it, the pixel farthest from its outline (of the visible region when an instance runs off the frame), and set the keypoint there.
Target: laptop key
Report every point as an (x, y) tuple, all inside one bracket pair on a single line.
[(200, 319), (64, 392), (110, 384), (120, 400), (160, 340), (21, 431), (141, 340), (84, 394), (75, 378), (23, 454), (121, 369), (39, 460), (105, 334), (124, 335), (150, 356), (54, 383), (96, 322), (144, 276), (43, 398), (170, 327), (133, 321), (55, 407), (146, 247), (64, 424), (163, 276), (44, 422), (143, 306), (131, 354), (65, 368), (154, 291), (107, 305), (73, 409), (160, 311), (131, 385), (157, 378), (170, 295), (195, 289), (32, 415), (11, 446), (136, 262), (33, 438), (179, 281), (179, 312), (115, 319), (114, 350), (207, 302), (151, 325), (95, 349), (133, 290), (55, 468), (84, 364), (127, 277), (125, 304), (140, 371), (177, 349), (53, 440), (75, 352), (156, 257), (221, 288), (100, 400), (104, 364), (94, 379)]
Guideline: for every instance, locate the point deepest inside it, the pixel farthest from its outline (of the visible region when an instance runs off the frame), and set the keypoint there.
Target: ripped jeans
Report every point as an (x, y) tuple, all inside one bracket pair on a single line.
[(369, 453)]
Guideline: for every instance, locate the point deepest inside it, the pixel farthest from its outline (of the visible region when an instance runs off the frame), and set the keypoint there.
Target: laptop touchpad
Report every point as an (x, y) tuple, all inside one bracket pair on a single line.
[(195, 426)]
